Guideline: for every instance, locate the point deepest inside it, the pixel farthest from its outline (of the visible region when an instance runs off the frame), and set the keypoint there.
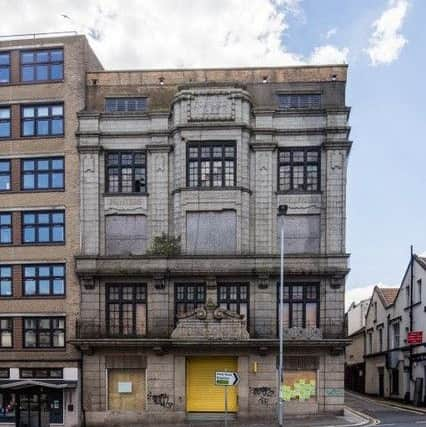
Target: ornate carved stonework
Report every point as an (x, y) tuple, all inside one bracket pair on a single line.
[(302, 334), (211, 106), (211, 322)]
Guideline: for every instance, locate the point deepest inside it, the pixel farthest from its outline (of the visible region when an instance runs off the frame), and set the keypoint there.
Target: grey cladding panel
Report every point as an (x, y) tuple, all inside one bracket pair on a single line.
[(126, 234), (211, 232), (301, 233)]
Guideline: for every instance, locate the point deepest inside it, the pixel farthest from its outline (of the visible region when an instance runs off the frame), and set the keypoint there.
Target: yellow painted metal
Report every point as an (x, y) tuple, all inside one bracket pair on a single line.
[(202, 393)]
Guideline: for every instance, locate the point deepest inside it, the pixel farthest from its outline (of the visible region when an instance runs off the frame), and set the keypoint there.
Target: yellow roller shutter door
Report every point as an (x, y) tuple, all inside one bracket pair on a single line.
[(202, 394)]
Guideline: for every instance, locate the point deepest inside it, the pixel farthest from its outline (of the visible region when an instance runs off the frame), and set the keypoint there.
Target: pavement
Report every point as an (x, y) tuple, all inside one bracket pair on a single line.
[(386, 413)]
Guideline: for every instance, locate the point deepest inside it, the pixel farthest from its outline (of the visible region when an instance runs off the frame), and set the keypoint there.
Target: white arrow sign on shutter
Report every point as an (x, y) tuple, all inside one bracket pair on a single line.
[(227, 378)]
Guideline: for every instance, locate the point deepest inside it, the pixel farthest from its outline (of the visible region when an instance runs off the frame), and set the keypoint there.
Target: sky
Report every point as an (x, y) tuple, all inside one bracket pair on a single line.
[(383, 41)]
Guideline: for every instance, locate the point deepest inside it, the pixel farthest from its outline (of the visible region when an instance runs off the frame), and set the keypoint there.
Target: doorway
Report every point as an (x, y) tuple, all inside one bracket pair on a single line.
[(381, 382), (32, 408)]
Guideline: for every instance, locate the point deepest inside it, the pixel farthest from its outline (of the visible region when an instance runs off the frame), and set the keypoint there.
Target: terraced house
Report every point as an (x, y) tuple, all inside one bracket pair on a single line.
[(182, 173), (41, 89)]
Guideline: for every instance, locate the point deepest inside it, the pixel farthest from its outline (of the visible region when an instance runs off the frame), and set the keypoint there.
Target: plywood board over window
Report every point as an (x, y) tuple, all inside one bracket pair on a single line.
[(126, 390), (126, 234), (213, 232)]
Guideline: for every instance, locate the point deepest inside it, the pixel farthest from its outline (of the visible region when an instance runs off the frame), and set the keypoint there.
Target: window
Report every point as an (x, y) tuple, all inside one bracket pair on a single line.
[(302, 100), (419, 290), (42, 65), (42, 173), (301, 305), (126, 234), (396, 335), (407, 295), (43, 279), (6, 332), (4, 175), (42, 120), (43, 227), (299, 169), (126, 172), (380, 339), (44, 332), (188, 297), (4, 373), (5, 228), (211, 165), (113, 105), (4, 67), (8, 405), (4, 122), (126, 310), (370, 342), (375, 311), (5, 281), (234, 297), (41, 373)]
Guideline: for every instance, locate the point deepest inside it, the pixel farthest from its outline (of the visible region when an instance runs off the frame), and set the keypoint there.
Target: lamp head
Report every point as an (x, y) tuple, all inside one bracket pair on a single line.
[(282, 209)]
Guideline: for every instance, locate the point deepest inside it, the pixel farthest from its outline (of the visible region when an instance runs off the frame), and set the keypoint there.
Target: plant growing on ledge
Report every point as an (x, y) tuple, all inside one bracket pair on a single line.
[(165, 245)]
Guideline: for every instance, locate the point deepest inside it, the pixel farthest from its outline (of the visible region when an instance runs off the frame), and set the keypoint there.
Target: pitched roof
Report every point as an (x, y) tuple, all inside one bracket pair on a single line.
[(388, 295), (421, 260)]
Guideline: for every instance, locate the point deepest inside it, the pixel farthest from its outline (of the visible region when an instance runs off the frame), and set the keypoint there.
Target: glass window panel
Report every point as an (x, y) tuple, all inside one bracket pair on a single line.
[(58, 339), (44, 287), (43, 180), (4, 129), (5, 287), (44, 339), (5, 235), (4, 58), (28, 112), (57, 110), (30, 287), (43, 218), (57, 180), (42, 56), (58, 287), (57, 163), (29, 165), (43, 164), (58, 270), (42, 127), (44, 323), (28, 128), (27, 73), (29, 234), (29, 271), (57, 55), (42, 72), (4, 75), (30, 339), (5, 272), (4, 113), (42, 111), (311, 315), (58, 218), (29, 218), (43, 234), (6, 339), (58, 233), (4, 182)]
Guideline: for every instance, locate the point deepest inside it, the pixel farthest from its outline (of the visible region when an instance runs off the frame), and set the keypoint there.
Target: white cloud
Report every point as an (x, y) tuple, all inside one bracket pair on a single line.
[(386, 42), (329, 55), (330, 33), (171, 33), (358, 294)]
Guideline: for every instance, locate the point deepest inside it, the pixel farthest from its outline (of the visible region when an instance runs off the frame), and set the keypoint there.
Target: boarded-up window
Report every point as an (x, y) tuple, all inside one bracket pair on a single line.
[(211, 232), (301, 233), (126, 390), (126, 234)]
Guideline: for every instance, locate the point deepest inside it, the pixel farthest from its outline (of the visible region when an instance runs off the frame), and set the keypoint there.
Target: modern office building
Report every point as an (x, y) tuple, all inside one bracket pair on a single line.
[(42, 87)]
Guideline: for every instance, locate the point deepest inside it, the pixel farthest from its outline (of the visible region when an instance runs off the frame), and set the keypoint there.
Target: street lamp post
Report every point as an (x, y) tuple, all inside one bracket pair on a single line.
[(282, 210)]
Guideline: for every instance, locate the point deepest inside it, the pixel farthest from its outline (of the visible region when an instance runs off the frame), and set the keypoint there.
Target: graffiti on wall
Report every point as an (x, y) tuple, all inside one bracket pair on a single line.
[(299, 385), (162, 399), (263, 394)]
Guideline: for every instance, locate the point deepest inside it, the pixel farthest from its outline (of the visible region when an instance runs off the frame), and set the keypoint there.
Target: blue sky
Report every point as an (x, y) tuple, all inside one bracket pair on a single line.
[(386, 89)]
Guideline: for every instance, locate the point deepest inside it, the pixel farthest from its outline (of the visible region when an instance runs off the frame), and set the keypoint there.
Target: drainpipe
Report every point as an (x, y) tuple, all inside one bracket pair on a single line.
[(411, 314)]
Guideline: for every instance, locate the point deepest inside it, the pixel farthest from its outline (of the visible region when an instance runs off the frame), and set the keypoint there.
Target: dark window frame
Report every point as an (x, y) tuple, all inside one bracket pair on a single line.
[(37, 330), (6, 67), (6, 279), (292, 164), (299, 101), (304, 301), (36, 172), (211, 159), (35, 373), (185, 301), (6, 373), (239, 300), (121, 302), (120, 166), (7, 174), (8, 120), (49, 63), (7, 329), (50, 117), (36, 225), (7, 227), (51, 278), (123, 104)]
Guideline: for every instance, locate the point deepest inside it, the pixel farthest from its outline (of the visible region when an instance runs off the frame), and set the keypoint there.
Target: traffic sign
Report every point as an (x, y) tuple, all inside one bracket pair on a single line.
[(415, 337), (227, 378)]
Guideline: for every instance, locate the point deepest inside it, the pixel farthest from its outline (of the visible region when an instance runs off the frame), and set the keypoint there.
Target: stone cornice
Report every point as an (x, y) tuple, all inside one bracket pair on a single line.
[(159, 148), (264, 146)]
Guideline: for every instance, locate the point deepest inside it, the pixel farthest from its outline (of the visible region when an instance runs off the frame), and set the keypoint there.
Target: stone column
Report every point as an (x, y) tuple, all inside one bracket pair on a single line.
[(264, 197)]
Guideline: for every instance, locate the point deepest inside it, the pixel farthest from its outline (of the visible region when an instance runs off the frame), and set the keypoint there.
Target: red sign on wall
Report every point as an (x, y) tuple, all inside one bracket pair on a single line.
[(415, 337)]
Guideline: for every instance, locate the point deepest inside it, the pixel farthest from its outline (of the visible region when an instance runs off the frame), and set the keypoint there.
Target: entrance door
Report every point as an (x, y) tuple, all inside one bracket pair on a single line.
[(202, 394), (33, 409), (395, 382), (381, 382)]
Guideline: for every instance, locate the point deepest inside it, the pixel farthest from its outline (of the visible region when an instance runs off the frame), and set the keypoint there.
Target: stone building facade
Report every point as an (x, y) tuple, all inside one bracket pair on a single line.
[(41, 90), (181, 174)]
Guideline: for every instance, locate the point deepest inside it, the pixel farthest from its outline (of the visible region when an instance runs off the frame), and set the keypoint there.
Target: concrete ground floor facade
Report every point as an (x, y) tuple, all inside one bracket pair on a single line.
[(151, 385)]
